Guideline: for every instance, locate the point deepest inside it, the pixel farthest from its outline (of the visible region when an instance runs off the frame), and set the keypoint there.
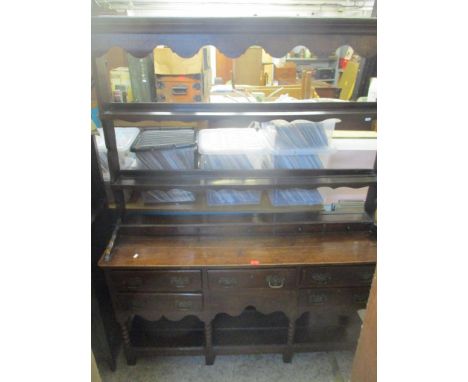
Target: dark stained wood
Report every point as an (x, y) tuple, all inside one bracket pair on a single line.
[(193, 252), (209, 353), (232, 36), (169, 278), (145, 304), (275, 278), (244, 182), (265, 301), (337, 276), (332, 297), (288, 352), (157, 281), (353, 115)]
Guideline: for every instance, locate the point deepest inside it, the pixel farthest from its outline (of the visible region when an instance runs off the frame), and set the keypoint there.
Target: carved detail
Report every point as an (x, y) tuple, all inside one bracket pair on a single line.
[(288, 353), (129, 354), (125, 333), (209, 352), (322, 37)]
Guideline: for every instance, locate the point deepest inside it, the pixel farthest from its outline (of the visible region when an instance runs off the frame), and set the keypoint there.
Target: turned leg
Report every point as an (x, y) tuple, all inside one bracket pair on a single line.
[(288, 353), (129, 353), (209, 352)]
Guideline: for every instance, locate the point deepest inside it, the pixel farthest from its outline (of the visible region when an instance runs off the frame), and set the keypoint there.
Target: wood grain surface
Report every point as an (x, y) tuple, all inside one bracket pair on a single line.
[(189, 251)]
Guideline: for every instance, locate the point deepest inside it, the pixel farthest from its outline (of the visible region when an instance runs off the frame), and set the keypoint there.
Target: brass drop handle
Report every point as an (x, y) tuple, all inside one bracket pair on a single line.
[(179, 282), (179, 90), (183, 305), (227, 282), (275, 281), (321, 278), (134, 283)]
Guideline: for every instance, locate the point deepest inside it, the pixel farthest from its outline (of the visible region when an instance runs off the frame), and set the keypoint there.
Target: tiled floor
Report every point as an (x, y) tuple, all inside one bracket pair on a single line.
[(305, 367)]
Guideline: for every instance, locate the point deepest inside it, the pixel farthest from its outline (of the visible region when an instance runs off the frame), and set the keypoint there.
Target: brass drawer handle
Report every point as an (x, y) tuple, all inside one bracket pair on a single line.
[(179, 281), (275, 281), (317, 298), (227, 282), (136, 305), (183, 305), (133, 283), (179, 90), (321, 278)]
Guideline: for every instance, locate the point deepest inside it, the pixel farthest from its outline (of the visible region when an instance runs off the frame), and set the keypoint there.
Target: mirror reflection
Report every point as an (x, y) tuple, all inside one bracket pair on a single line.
[(255, 76)]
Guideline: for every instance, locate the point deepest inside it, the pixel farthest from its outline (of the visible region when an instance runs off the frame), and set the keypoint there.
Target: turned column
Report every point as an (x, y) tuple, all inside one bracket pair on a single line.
[(129, 352), (288, 353), (209, 351)]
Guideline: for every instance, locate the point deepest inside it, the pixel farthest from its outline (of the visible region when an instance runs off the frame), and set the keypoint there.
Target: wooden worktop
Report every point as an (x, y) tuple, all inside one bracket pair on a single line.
[(205, 251)]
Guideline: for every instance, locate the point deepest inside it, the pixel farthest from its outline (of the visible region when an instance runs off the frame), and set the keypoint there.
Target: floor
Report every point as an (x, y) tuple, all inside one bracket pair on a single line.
[(305, 367)]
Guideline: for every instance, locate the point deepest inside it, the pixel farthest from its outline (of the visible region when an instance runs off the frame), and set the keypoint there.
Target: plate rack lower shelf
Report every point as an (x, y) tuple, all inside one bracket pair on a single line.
[(249, 333)]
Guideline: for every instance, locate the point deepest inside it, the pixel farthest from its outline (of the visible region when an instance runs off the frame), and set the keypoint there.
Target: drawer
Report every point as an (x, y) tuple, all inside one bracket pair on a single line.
[(165, 302), (339, 275), (252, 278), (330, 297), (156, 281)]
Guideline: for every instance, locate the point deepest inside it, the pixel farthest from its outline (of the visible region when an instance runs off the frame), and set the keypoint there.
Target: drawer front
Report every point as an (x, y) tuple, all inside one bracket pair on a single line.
[(337, 275), (183, 89), (164, 302), (156, 281), (330, 297), (252, 278)]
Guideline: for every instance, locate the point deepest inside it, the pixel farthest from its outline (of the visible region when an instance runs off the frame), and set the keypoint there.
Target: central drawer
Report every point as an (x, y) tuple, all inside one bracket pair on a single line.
[(277, 278), (166, 302), (156, 281)]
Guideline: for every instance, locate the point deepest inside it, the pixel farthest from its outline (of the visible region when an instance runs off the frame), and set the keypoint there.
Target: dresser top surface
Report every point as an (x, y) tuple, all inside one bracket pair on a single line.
[(208, 251)]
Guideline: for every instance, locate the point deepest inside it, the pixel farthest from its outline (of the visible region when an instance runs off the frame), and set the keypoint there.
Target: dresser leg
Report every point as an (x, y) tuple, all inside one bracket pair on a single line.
[(209, 352), (129, 353), (288, 353)]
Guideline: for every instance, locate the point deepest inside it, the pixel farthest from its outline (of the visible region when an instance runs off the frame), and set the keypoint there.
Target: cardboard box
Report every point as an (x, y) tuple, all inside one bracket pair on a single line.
[(181, 79), (248, 68), (166, 62)]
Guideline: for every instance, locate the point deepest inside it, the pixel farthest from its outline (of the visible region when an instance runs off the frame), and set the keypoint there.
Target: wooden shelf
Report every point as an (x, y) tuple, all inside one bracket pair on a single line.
[(200, 206), (199, 180), (354, 115)]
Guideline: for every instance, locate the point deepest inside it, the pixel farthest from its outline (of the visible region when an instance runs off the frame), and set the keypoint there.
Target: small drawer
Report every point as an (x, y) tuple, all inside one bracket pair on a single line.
[(156, 281), (330, 297), (339, 275), (168, 302), (252, 278)]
